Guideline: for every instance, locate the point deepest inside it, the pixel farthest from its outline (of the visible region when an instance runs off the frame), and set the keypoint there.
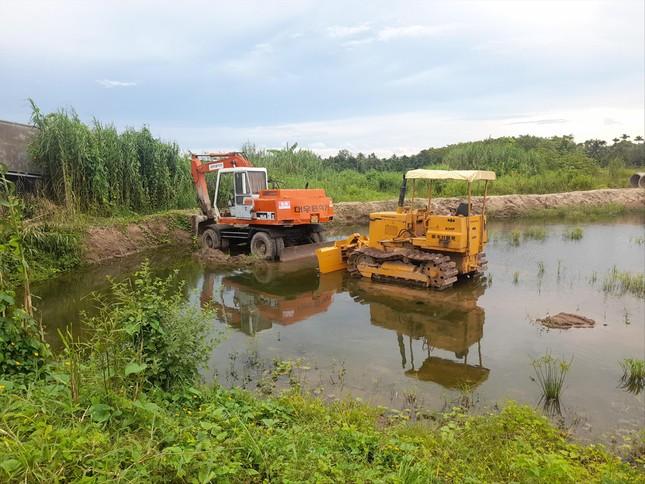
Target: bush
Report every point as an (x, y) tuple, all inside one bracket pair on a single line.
[(146, 335)]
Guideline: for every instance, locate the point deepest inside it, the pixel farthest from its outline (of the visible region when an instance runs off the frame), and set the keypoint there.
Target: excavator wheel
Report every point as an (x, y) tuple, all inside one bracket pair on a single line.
[(211, 239), (263, 246)]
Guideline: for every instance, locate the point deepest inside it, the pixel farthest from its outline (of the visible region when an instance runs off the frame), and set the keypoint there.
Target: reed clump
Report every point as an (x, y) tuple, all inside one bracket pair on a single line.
[(620, 282), (633, 379), (575, 233), (94, 168), (550, 373)]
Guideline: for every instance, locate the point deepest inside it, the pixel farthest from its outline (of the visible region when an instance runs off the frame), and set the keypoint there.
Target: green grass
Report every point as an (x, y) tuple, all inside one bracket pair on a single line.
[(550, 374), (620, 282), (229, 435), (535, 233), (574, 233), (633, 379)]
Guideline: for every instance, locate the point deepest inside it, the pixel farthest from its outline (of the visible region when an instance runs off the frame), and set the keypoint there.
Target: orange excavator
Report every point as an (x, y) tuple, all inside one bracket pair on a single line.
[(272, 224)]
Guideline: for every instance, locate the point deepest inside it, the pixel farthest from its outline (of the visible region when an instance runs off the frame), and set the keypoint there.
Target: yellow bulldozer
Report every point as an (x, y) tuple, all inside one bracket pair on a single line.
[(414, 245)]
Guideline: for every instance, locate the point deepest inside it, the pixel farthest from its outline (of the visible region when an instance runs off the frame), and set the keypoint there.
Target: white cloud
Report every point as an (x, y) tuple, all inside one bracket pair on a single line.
[(342, 31), (414, 130), (422, 77), (412, 31), (110, 83)]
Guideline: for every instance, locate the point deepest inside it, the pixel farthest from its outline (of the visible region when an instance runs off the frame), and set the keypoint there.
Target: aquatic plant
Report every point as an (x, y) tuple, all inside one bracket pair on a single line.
[(535, 233), (514, 238), (550, 374), (620, 282), (574, 233), (633, 378), (638, 240), (540, 271)]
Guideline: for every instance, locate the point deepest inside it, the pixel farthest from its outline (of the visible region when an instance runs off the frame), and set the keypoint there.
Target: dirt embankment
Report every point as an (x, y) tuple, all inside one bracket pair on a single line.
[(109, 242), (501, 206)]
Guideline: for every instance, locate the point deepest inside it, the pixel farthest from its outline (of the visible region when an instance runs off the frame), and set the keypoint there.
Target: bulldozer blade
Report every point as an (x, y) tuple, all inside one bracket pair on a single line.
[(302, 251)]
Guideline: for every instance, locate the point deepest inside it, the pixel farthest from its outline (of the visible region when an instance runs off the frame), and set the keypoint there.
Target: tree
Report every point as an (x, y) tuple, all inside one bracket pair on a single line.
[(638, 138), (615, 140), (624, 137)]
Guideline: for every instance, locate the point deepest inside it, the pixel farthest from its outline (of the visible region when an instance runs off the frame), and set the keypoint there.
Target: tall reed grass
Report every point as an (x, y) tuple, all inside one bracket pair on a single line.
[(96, 168)]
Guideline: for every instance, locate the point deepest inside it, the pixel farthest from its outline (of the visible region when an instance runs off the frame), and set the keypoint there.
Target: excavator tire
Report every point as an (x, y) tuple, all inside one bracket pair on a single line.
[(418, 268), (263, 246), (211, 239)]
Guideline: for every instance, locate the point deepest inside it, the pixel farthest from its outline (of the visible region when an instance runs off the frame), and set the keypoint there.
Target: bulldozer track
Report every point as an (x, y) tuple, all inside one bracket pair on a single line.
[(439, 270)]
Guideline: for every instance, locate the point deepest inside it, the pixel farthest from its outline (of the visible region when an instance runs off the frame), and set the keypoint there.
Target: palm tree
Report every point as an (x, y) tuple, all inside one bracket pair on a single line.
[(615, 140), (624, 137), (638, 138)]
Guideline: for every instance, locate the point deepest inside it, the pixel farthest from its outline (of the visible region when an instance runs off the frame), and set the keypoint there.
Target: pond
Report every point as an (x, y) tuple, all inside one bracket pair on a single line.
[(393, 345)]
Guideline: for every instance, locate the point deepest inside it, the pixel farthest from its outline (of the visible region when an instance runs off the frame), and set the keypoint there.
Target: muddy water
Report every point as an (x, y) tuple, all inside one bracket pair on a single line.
[(393, 346)]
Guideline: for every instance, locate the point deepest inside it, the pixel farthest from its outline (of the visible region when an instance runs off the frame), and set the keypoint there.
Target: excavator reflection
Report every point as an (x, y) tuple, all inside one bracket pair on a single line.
[(445, 322), (255, 301)]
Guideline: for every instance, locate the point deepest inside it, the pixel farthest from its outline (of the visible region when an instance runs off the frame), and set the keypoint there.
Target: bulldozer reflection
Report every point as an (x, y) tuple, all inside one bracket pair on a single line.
[(255, 301), (451, 321)]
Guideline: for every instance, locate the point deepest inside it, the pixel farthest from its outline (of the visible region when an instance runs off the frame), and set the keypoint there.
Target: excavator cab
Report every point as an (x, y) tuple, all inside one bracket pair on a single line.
[(235, 190)]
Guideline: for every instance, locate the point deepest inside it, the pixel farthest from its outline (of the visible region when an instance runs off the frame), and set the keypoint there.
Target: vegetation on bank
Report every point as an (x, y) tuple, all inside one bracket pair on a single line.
[(99, 170), (128, 406), (96, 168)]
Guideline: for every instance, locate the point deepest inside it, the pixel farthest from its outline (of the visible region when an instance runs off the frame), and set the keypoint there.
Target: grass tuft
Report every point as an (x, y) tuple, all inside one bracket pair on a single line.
[(574, 233), (550, 374), (620, 282), (633, 379)]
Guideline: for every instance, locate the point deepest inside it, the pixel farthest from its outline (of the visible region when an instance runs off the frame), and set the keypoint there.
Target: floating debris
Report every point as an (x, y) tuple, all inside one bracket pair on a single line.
[(566, 321)]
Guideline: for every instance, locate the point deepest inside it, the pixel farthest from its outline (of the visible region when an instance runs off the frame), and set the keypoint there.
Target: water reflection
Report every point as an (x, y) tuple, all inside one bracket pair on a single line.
[(449, 321), (254, 301), (450, 325)]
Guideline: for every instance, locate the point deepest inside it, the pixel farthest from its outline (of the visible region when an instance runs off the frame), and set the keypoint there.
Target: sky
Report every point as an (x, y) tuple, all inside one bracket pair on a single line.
[(378, 76)]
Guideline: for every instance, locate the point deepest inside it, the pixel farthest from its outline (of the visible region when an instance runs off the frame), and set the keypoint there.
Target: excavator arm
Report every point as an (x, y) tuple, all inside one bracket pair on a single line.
[(208, 163)]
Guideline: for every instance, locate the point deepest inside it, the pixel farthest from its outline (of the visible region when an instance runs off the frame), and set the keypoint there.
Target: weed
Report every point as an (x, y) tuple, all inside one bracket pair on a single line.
[(541, 269), (574, 233), (621, 282), (515, 238), (550, 374), (638, 240), (633, 379), (535, 233)]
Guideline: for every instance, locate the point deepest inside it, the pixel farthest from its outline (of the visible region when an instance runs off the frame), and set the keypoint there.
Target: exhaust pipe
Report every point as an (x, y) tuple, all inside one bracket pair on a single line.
[(402, 192), (637, 180)]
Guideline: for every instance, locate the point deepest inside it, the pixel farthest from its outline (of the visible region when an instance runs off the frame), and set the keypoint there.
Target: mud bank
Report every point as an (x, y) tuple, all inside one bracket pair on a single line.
[(102, 243), (502, 206), (113, 241)]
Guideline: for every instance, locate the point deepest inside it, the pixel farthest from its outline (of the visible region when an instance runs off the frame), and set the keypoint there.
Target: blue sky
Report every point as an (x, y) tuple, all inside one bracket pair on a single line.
[(389, 77)]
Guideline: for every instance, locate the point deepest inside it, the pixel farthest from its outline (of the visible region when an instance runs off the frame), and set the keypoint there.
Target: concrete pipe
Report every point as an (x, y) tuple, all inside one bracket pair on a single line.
[(637, 180)]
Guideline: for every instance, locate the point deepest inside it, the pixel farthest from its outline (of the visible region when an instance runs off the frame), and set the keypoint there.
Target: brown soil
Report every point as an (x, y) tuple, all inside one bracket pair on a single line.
[(500, 206), (216, 259), (566, 321), (103, 243)]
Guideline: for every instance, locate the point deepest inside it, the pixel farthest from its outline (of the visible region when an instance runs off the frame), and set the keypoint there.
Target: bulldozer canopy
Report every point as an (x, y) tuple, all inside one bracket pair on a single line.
[(465, 175)]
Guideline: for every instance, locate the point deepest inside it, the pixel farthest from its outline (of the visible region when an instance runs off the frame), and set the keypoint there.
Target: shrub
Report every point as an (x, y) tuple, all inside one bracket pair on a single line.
[(145, 335)]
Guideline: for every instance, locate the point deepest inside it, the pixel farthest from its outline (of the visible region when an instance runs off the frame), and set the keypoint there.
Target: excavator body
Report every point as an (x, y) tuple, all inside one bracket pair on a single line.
[(415, 246), (274, 224)]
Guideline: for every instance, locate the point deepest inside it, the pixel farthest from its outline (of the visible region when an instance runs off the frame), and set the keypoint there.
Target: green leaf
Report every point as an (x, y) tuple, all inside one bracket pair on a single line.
[(134, 368), (10, 465), (100, 412)]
